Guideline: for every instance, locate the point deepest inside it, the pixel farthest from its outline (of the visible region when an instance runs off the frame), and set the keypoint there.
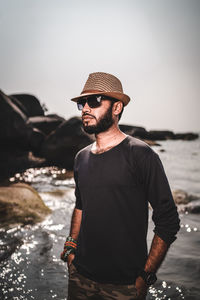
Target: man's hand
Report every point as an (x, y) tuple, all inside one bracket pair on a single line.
[(62, 255), (141, 288), (70, 258)]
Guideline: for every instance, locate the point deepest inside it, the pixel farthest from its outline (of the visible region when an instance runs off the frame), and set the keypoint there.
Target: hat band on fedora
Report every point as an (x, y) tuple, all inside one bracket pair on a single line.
[(91, 91)]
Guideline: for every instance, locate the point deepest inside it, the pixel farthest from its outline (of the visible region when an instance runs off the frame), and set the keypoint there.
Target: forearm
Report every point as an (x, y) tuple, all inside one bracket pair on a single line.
[(155, 258), (156, 255), (75, 223)]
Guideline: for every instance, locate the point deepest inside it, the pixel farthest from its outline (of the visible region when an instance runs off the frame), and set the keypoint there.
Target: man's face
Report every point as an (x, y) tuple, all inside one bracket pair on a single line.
[(96, 120)]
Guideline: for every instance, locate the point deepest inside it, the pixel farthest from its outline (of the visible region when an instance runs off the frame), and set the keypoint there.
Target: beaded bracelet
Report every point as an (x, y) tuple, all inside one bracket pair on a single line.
[(70, 239), (70, 244), (69, 247)]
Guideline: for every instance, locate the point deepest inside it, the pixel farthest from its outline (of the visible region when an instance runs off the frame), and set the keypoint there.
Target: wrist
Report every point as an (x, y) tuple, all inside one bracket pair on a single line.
[(71, 240), (148, 277), (70, 247)]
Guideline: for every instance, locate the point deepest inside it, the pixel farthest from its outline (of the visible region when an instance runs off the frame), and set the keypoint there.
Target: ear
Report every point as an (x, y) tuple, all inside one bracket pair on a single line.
[(117, 108)]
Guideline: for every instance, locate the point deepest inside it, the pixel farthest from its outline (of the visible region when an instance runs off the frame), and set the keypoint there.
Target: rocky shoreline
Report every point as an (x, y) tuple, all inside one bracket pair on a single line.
[(32, 138)]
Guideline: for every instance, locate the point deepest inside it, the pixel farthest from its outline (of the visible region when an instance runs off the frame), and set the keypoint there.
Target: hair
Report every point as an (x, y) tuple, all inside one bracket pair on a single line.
[(120, 114)]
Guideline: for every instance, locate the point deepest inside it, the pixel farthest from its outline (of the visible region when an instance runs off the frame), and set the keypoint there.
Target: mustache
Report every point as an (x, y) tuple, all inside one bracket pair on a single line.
[(86, 114)]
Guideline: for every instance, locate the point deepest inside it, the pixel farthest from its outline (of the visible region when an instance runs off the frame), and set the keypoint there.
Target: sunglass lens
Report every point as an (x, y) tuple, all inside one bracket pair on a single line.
[(92, 101), (81, 103)]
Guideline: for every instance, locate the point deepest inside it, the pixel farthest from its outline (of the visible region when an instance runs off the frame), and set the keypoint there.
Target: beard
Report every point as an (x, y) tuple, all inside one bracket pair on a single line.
[(103, 124)]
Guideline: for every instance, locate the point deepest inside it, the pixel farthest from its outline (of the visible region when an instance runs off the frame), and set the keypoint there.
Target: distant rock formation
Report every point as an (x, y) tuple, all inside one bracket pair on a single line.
[(157, 135)]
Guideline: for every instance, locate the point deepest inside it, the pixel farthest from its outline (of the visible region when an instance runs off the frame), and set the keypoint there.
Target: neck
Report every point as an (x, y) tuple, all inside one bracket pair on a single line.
[(109, 138)]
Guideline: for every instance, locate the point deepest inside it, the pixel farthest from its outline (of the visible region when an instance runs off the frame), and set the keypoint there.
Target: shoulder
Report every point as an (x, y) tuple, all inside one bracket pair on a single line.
[(83, 152), (139, 148)]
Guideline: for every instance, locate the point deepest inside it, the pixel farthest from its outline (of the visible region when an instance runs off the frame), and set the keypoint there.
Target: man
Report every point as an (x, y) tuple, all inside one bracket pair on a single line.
[(115, 177)]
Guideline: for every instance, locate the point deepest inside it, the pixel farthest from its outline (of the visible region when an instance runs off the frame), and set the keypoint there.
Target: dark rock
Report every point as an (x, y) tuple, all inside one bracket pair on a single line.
[(142, 133), (154, 135), (61, 146), (136, 131), (189, 136), (17, 138), (46, 124), (36, 139), (55, 116), (30, 103), (161, 134), (13, 128), (19, 105), (131, 130)]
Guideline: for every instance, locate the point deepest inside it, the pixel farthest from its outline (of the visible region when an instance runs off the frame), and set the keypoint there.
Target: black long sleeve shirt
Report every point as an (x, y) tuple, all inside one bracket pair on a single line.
[(113, 190)]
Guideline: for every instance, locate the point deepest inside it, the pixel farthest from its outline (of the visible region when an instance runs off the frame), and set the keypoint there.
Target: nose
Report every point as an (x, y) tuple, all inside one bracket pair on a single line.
[(86, 108)]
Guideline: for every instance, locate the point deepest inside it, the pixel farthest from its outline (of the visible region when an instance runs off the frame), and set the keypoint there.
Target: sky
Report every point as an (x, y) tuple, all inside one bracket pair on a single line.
[(49, 47)]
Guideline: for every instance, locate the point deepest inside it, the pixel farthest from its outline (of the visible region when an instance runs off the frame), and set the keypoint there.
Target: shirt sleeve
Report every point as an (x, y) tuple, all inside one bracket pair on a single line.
[(78, 203), (165, 215)]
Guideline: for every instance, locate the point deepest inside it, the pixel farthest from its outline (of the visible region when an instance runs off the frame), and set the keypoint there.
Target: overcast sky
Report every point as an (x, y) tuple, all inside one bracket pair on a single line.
[(48, 48)]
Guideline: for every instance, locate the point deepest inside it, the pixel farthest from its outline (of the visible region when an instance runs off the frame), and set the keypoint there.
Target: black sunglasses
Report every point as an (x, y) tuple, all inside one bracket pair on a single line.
[(93, 101)]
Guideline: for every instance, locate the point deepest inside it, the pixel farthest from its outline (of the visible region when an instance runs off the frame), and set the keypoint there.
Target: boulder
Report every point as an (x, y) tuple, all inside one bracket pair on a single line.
[(46, 124), (55, 116), (61, 146), (36, 138), (21, 204), (13, 128), (19, 105), (17, 138), (30, 103), (180, 197)]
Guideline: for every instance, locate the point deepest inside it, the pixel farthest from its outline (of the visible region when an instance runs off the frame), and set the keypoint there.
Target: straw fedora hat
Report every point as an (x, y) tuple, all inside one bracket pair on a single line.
[(100, 83)]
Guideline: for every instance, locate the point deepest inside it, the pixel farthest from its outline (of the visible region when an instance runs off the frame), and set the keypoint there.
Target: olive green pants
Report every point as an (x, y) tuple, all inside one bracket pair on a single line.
[(80, 287)]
